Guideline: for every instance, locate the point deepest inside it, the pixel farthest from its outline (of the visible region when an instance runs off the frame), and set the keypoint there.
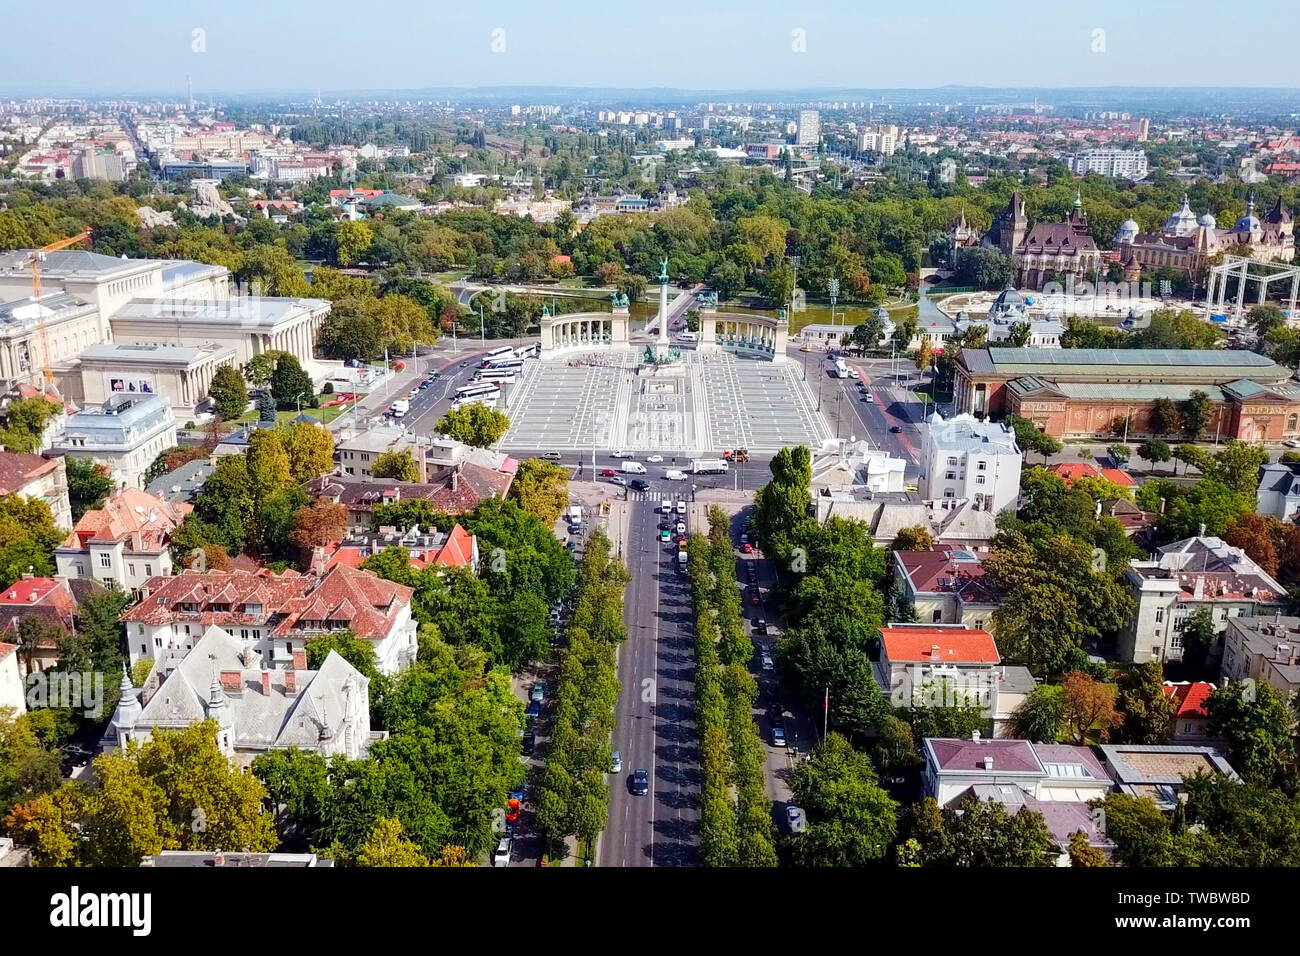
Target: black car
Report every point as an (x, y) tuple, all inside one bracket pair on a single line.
[(639, 484), (639, 782), (895, 429), (528, 745)]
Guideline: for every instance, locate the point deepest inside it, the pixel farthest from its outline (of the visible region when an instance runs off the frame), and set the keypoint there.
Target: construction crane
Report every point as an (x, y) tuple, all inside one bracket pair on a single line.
[(37, 258)]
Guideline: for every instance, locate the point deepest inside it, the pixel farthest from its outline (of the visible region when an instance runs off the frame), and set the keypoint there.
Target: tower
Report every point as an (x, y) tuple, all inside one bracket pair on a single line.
[(663, 303), (189, 89)]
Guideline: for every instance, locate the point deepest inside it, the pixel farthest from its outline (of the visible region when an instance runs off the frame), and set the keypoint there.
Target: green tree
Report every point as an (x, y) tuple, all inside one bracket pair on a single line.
[(1041, 716), (1147, 710), (1154, 451), (1164, 417), (89, 484), (25, 423), (290, 384), (474, 424), (915, 538), (851, 820), (541, 488), (980, 833), (1254, 720), (386, 846), (398, 464), (229, 393), (1195, 414)]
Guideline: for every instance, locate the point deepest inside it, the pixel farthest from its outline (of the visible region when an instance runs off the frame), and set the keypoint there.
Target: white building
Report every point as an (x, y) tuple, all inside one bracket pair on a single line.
[(1116, 163), (124, 543), (1279, 490), (854, 465), (11, 681), (965, 458), (125, 434), (1195, 574), (810, 128), (257, 708)]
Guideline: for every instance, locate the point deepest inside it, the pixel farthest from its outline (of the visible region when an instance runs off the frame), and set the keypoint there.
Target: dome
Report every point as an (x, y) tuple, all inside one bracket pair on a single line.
[(1207, 221), (1246, 223)]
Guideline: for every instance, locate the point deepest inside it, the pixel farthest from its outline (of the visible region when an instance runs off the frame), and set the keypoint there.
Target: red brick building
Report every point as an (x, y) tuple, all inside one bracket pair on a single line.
[(1079, 393)]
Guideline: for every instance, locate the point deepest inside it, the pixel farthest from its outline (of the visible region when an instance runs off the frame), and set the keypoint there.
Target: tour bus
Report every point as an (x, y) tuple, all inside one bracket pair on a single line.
[(508, 362), (841, 370), (477, 390), (506, 375), (500, 353), (400, 407), (527, 351), (489, 400)]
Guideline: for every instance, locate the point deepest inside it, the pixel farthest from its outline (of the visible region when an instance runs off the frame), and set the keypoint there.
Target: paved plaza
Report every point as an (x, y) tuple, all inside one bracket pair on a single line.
[(706, 403)]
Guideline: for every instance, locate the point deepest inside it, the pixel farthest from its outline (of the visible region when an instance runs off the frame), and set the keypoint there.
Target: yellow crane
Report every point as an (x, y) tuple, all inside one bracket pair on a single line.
[(37, 258)]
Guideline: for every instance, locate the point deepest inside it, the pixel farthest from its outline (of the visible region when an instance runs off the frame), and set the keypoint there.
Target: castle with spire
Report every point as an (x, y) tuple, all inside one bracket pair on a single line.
[(1042, 253), (1187, 242)]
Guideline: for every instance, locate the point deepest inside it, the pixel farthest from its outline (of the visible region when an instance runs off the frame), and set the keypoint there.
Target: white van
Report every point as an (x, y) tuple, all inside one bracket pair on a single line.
[(666, 507), (681, 560), (575, 514), (681, 507), (632, 468), (675, 474)]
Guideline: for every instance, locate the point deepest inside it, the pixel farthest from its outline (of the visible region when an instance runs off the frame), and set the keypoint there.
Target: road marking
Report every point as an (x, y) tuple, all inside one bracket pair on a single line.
[(654, 726)]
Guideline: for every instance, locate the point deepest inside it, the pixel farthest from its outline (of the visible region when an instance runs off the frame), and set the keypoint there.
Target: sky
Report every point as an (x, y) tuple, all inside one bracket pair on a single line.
[(252, 46)]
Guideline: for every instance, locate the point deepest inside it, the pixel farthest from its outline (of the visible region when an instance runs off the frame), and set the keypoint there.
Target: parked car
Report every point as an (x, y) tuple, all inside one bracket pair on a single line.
[(666, 535), (501, 855), (747, 548), (616, 764), (778, 736), (533, 710), (760, 626), (768, 663), (639, 782), (793, 818), (528, 744), (754, 598), (539, 691)]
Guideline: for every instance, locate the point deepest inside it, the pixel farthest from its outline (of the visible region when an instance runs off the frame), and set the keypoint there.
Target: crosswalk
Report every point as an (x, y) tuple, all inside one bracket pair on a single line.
[(653, 495)]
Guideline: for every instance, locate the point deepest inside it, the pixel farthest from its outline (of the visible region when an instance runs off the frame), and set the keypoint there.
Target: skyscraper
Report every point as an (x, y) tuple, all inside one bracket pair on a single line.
[(810, 128)]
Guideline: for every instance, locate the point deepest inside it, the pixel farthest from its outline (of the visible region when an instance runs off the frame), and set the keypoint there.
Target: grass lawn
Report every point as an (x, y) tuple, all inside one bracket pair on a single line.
[(283, 417)]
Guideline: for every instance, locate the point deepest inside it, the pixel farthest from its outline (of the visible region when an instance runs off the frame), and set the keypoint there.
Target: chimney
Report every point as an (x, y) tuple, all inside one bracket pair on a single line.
[(291, 682), (232, 682), (300, 660), (1282, 652), (934, 652), (318, 561), (266, 683), (1199, 592), (988, 762), (455, 479)]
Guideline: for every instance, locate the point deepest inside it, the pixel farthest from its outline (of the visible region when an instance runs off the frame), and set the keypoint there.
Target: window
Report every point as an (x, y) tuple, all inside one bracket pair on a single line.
[(105, 560), (949, 493), (1160, 614), (148, 570), (131, 569), (936, 617), (144, 649), (952, 460), (982, 466), (951, 476), (979, 479)]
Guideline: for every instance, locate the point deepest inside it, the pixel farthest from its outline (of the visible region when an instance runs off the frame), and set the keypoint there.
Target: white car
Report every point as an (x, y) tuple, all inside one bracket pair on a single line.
[(681, 507), (616, 764), (501, 855), (654, 459), (618, 480), (681, 527), (768, 663), (666, 507), (620, 454), (1293, 443)]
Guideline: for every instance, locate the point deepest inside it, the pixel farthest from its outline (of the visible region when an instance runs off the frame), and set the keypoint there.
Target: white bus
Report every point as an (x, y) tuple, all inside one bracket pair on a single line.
[(489, 400), (506, 375), (496, 354), (515, 363), (477, 390), (527, 351), (841, 370)]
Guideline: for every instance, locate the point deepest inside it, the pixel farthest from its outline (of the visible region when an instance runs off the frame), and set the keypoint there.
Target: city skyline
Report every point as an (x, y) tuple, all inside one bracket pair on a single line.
[(403, 46)]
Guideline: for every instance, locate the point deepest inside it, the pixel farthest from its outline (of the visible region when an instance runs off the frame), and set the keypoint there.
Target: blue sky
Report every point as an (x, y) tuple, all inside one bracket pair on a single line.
[(145, 45)]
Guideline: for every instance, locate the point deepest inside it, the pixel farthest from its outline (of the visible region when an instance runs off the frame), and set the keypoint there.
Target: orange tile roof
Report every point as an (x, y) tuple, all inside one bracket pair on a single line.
[(955, 645), (142, 520), (1071, 471)]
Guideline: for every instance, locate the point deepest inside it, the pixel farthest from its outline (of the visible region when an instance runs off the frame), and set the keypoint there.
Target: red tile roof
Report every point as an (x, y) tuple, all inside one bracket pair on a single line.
[(941, 570), (1191, 697), (288, 602), (6, 649), (1070, 471), (954, 645), (143, 521), (17, 469)]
